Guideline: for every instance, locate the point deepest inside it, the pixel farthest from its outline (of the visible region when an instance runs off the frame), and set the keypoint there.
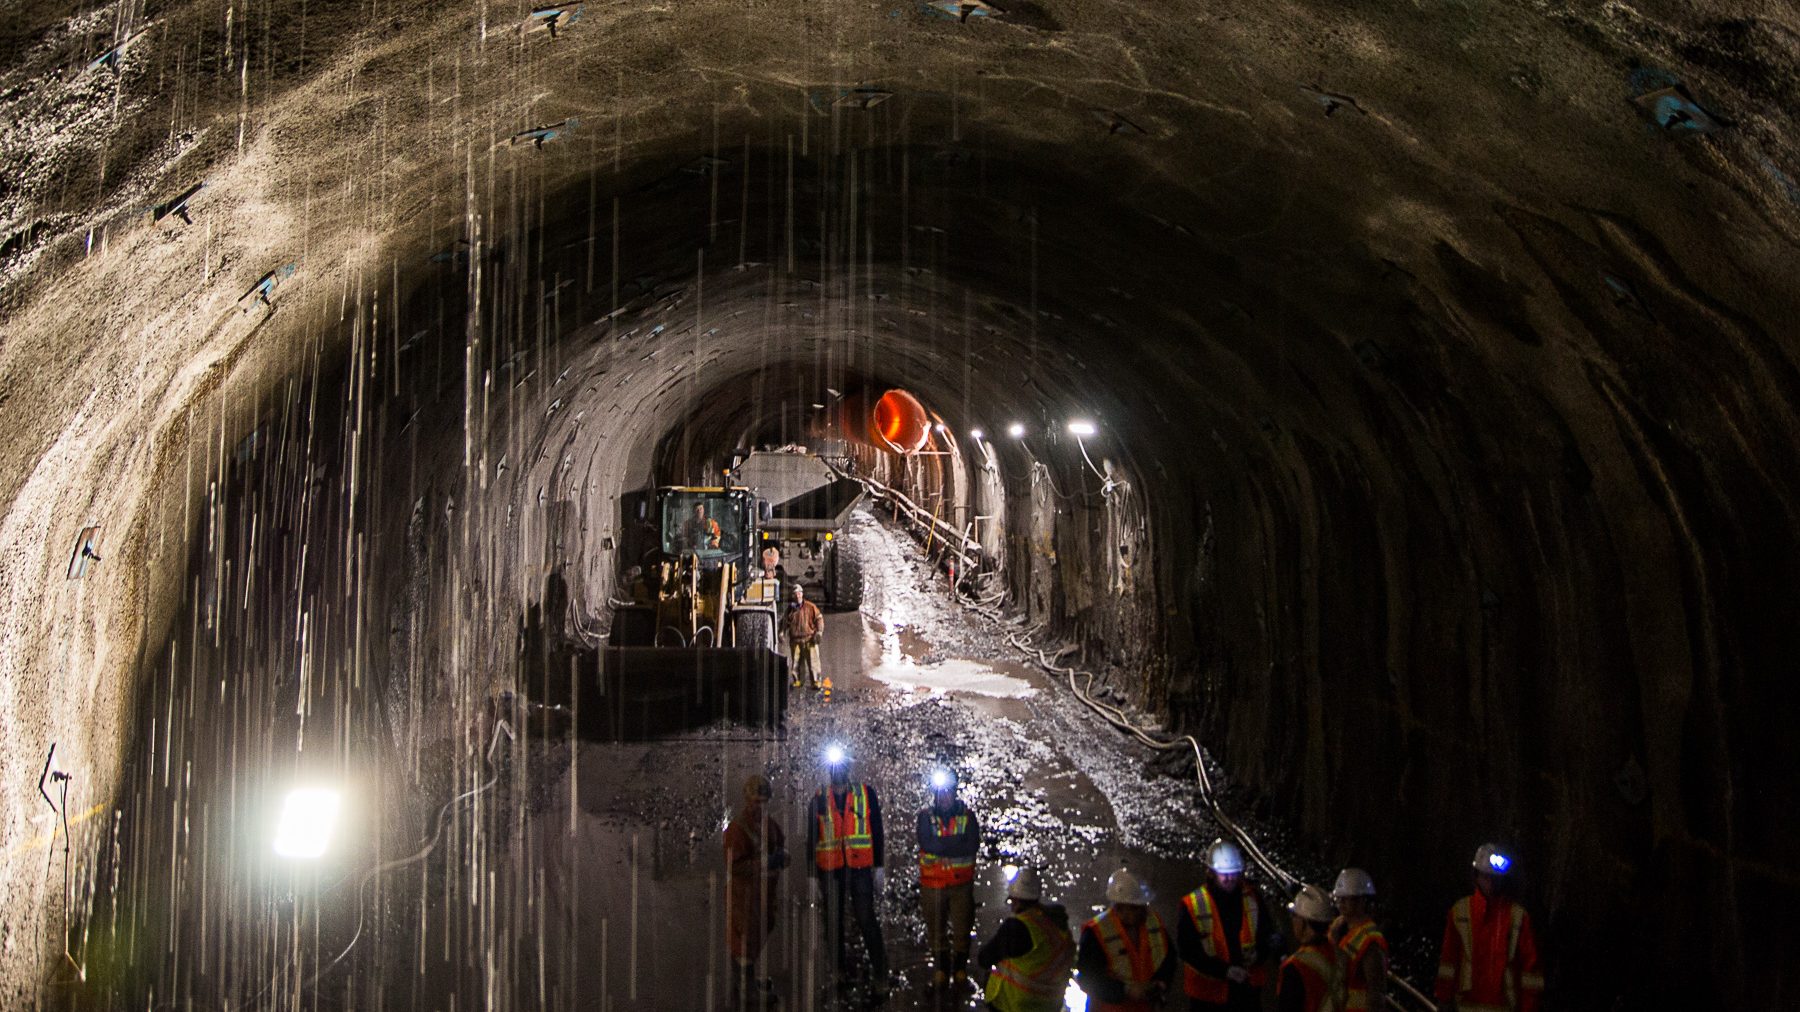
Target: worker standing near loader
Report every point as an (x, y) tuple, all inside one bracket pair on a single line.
[(1226, 938), (1362, 948), (949, 837), (1126, 962), (755, 854), (804, 625), (1490, 955), (1031, 953), (844, 833)]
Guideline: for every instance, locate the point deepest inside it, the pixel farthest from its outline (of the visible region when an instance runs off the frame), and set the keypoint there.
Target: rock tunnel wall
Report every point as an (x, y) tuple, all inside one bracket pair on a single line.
[(1458, 396)]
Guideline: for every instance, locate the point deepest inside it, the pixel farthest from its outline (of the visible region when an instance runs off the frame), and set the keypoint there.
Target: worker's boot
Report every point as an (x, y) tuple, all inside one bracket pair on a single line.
[(940, 970), (959, 970)]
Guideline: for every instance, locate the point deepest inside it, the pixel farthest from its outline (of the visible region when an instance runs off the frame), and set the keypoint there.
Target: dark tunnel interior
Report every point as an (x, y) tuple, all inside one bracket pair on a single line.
[(1442, 485)]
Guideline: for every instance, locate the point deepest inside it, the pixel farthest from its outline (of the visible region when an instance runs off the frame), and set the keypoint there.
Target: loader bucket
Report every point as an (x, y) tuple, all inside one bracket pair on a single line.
[(649, 692)]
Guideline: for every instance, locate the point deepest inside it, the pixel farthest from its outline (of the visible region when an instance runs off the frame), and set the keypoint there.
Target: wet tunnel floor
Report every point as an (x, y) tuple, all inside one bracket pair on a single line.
[(635, 874)]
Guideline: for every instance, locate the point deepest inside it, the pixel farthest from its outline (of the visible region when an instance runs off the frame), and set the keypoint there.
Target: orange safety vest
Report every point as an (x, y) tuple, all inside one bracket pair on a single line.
[(1205, 915), (1474, 987), (1354, 946), (1036, 981), (1127, 960), (937, 872), (844, 837), (1317, 966)]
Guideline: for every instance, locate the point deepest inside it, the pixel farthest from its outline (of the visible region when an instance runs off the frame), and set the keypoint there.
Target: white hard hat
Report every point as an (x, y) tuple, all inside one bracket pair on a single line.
[(1224, 858), (1489, 858), (1311, 904), (1353, 882), (1124, 887), (1025, 886)]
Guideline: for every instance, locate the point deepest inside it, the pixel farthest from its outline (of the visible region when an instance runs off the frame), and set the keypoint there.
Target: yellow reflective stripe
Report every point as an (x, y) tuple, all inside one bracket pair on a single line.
[(1465, 933), (1532, 981), (1043, 970)]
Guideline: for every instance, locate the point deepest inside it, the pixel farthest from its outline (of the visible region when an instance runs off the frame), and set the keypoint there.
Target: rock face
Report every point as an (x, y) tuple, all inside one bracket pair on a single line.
[(1447, 357)]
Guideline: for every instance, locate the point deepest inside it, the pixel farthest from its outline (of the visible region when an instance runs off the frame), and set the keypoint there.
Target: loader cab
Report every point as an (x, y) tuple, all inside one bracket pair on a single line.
[(712, 525)]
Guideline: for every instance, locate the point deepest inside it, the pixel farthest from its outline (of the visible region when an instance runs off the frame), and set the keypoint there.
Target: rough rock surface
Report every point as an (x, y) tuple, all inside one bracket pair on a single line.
[(1448, 349)]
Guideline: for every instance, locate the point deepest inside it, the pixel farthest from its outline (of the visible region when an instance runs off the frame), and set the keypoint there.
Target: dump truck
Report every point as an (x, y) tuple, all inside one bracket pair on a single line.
[(694, 637), (809, 505)]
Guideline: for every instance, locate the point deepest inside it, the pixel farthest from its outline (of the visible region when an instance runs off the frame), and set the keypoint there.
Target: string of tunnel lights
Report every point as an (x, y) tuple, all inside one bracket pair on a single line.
[(1083, 430), (1120, 719)]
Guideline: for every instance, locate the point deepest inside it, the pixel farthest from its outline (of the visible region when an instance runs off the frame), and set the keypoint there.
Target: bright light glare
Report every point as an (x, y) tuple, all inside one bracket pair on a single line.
[(1016, 430), (1499, 862), (1011, 871), (307, 818), (1081, 428), (834, 754), (975, 434), (1075, 999), (940, 780)]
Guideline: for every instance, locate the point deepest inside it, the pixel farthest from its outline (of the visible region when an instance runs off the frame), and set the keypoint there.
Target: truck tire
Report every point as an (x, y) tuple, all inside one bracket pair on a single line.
[(752, 628), (844, 579)]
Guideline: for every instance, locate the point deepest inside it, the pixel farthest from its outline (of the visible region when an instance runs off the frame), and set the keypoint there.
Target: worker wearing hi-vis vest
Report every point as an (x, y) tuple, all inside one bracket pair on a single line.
[(948, 839), (1125, 962), (844, 834), (1031, 953), (1490, 955), (1310, 980), (1362, 948), (1226, 936)]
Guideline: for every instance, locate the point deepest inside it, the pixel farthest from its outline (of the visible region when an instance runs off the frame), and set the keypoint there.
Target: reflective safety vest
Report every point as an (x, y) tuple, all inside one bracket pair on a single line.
[(938, 872), (1205, 916), (1462, 972), (1127, 961), (1036, 981), (1359, 942), (844, 837), (1317, 967)]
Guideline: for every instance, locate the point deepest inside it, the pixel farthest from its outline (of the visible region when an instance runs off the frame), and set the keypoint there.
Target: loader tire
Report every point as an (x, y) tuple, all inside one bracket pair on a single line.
[(754, 629)]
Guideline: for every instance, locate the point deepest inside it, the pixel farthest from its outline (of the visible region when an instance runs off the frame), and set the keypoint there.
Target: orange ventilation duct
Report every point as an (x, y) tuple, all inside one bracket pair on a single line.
[(896, 422)]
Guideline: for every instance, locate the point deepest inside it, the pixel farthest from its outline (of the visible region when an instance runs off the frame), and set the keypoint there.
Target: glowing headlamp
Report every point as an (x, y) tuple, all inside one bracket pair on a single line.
[(1499, 862), (835, 755), (941, 780)]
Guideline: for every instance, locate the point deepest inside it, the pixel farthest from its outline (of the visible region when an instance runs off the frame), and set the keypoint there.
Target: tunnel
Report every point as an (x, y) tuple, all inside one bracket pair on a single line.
[(1397, 401)]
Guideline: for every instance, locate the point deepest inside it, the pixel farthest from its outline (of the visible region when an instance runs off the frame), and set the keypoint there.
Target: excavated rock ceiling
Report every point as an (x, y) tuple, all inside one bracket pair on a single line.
[(1454, 343)]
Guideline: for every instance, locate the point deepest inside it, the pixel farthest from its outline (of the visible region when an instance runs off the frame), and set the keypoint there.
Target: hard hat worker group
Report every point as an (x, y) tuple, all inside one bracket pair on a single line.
[(1227, 947)]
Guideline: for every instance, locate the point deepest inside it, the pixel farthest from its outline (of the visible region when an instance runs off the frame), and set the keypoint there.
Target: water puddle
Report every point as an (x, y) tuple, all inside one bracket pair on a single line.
[(907, 663)]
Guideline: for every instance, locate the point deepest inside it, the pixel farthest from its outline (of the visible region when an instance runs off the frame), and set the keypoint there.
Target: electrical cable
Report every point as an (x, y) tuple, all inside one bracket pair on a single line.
[(1117, 717), (422, 853)]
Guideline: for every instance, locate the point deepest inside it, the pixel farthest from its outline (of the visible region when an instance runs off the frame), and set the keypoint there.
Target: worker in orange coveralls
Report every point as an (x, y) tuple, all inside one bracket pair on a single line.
[(1490, 955), (755, 853)]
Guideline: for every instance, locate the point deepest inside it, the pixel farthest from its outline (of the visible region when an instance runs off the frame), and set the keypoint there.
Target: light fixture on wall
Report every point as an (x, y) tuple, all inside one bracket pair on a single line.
[(1016, 430), (308, 815), (1081, 429)]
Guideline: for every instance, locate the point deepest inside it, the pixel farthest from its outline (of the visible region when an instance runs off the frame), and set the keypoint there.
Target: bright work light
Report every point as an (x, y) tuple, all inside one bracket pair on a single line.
[(1499, 862), (307, 818), (974, 433), (941, 779), (1016, 430), (1081, 428), (834, 755)]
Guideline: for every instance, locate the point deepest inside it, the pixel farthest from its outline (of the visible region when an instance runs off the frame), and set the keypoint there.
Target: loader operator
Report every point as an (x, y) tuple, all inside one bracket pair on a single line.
[(699, 532)]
